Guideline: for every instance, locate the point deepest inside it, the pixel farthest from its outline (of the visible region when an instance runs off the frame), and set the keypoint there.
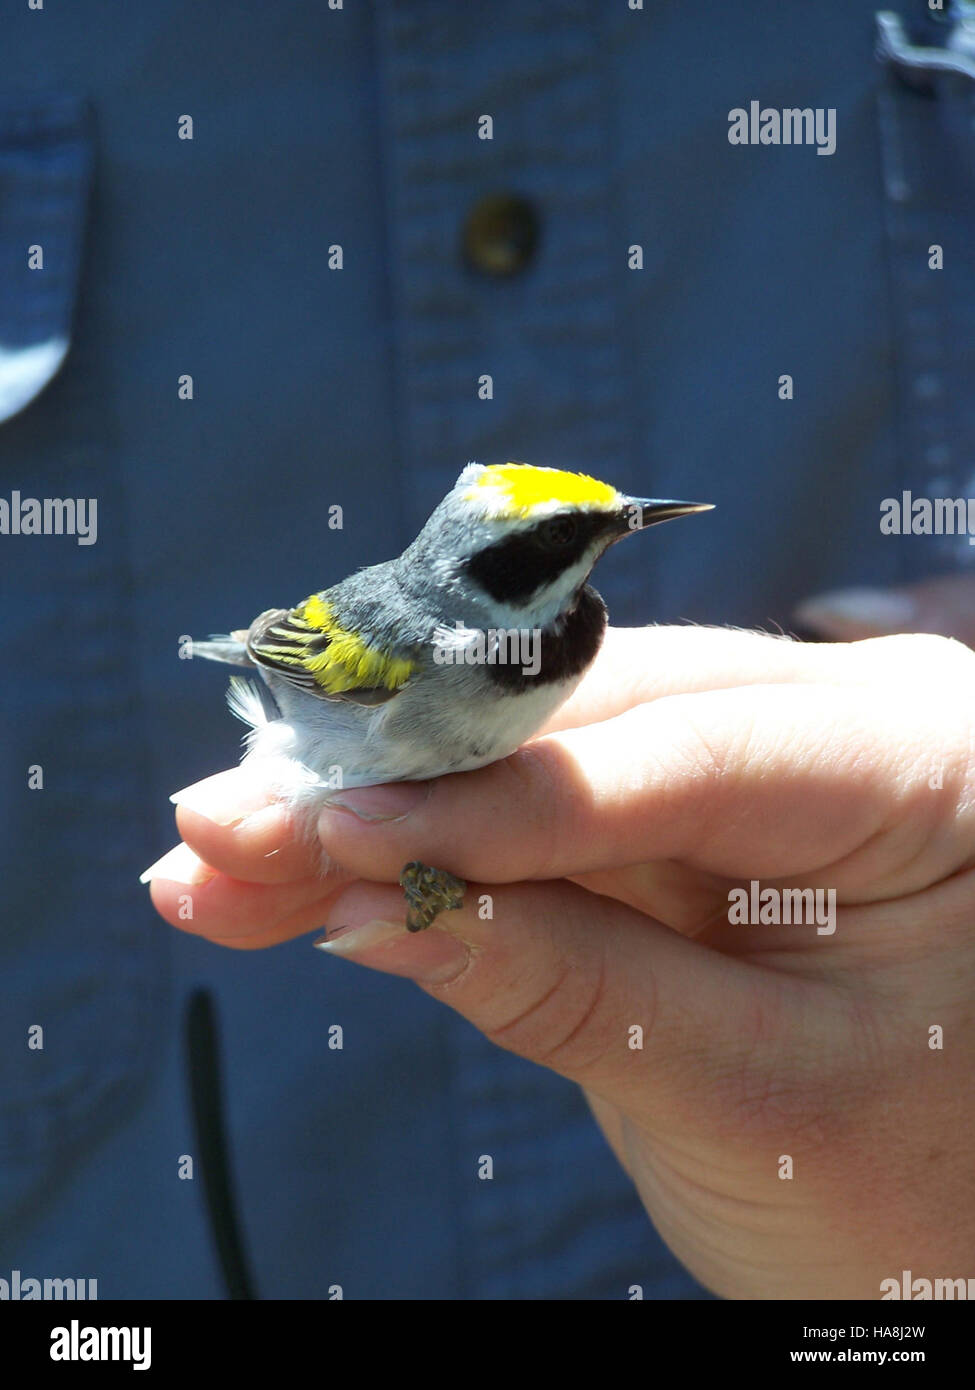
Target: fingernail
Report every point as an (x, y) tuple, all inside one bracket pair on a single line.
[(213, 799), (874, 610), (392, 801), (345, 941), (431, 957), (180, 865)]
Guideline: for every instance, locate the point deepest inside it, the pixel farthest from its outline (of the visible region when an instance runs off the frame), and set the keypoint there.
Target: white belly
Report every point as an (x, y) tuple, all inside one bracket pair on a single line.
[(449, 719)]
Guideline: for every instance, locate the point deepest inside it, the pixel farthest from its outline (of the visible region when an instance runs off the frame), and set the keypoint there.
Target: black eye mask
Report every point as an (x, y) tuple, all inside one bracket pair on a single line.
[(513, 569)]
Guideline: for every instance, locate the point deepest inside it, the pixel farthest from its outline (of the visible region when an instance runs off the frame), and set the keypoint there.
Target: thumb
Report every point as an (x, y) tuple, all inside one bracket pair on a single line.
[(653, 1022), (945, 605)]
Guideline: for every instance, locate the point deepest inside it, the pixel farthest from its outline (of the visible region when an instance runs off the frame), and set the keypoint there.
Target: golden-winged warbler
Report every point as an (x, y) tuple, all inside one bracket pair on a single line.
[(442, 660)]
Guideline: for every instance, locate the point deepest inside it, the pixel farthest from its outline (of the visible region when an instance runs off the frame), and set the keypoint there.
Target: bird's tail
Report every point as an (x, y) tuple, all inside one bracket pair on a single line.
[(250, 701), (229, 649)]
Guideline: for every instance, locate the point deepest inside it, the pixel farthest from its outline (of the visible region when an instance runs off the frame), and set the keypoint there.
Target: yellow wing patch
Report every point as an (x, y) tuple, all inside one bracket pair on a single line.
[(511, 490), (310, 641), (348, 662)]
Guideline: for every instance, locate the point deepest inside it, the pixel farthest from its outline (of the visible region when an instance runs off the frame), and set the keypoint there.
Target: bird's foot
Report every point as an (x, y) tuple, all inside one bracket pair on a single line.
[(428, 893)]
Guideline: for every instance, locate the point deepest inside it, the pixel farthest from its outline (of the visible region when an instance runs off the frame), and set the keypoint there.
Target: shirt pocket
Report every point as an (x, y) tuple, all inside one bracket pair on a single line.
[(82, 966), (45, 170)]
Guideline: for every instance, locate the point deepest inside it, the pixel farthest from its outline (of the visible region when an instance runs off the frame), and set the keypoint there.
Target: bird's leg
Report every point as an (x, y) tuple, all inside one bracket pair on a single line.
[(428, 893)]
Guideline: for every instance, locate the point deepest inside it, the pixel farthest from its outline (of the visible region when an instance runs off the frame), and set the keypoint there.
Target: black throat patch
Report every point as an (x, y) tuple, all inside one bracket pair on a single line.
[(560, 652)]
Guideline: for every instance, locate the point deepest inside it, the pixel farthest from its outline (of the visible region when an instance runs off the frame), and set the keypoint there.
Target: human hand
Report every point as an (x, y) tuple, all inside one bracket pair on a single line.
[(944, 605), (690, 762)]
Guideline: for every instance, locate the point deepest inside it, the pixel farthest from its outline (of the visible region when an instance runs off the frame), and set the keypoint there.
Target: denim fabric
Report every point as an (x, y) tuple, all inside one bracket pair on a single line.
[(358, 127)]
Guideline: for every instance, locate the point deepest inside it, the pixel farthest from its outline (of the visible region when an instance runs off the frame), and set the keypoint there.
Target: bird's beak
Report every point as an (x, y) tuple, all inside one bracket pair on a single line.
[(637, 513)]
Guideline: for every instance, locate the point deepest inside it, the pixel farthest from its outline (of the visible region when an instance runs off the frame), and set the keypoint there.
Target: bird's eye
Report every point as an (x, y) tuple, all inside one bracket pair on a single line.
[(557, 532)]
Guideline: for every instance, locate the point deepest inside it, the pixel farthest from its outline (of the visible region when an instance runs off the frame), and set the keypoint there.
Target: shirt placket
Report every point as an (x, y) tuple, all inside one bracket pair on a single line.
[(546, 333)]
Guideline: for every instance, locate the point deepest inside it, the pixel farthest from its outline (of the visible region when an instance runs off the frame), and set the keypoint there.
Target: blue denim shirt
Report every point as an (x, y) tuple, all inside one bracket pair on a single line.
[(312, 386)]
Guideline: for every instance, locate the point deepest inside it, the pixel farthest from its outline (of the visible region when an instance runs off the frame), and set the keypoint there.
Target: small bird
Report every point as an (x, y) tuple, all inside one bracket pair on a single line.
[(443, 660)]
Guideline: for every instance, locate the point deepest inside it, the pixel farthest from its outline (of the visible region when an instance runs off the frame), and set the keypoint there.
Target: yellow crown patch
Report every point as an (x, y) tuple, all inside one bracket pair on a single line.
[(511, 490)]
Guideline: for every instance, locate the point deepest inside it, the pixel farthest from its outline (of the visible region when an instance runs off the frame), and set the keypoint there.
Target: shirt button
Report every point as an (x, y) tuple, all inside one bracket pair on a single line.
[(500, 235)]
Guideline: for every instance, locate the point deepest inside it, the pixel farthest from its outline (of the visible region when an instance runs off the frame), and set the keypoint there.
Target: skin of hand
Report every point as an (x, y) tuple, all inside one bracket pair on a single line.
[(794, 1121), (944, 605)]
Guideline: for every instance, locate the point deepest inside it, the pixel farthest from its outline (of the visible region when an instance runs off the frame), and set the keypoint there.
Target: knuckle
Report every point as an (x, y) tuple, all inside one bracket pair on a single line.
[(533, 779), (705, 759), (567, 1028), (930, 654), (699, 766)]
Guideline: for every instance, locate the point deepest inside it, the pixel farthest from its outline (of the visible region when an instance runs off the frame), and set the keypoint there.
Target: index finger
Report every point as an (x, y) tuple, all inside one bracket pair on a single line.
[(762, 781), (635, 665)]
